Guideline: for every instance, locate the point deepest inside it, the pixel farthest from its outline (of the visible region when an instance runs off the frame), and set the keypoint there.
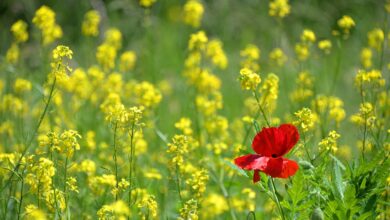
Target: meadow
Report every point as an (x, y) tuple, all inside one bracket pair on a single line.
[(194, 109)]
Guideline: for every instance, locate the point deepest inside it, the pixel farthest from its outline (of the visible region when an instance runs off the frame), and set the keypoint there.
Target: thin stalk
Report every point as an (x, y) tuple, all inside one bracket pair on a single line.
[(116, 161), (261, 108), (21, 198), (276, 199), (65, 179), (178, 185), (337, 68), (25, 150), (304, 146), (131, 161)]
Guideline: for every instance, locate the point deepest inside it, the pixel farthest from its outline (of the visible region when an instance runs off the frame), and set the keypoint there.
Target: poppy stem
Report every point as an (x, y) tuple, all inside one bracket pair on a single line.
[(276, 198)]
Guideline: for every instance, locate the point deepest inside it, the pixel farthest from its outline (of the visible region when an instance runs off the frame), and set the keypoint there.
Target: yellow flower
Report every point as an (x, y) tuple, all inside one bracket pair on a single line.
[(376, 38), (346, 23), (213, 205), (215, 52), (146, 3), (302, 51), (90, 25), (113, 37), (106, 55), (251, 56), (279, 8), (45, 20), (366, 57), (116, 210), (19, 30), (193, 12), (325, 45), (249, 79), (13, 54), (22, 85), (127, 61), (278, 57), (305, 119), (198, 41), (330, 142), (308, 36), (33, 213)]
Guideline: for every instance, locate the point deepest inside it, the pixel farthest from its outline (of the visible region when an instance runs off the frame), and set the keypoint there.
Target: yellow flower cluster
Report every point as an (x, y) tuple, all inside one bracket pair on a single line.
[(213, 205), (66, 143), (376, 38), (346, 23), (45, 20), (278, 57), (189, 210), (330, 142), (365, 116), (269, 92), (19, 31), (177, 149), (148, 207), (90, 25), (366, 57), (33, 213), (330, 106), (369, 78), (279, 8), (117, 210), (22, 86), (106, 53), (59, 66), (127, 61), (251, 56), (249, 79), (216, 54), (302, 49), (146, 3), (304, 87), (325, 45), (39, 176), (305, 119), (193, 12), (197, 182)]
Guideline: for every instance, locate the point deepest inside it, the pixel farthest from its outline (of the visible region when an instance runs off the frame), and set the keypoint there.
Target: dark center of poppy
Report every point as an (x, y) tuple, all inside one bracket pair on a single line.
[(274, 156)]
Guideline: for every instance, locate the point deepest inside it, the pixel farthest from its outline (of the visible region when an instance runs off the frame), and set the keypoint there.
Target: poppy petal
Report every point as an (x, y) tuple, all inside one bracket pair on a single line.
[(251, 162), (275, 141), (256, 176), (291, 137), (274, 166), (290, 167)]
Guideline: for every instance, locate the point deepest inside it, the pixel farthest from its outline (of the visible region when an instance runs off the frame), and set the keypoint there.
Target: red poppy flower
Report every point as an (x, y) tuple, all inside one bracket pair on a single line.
[(271, 144)]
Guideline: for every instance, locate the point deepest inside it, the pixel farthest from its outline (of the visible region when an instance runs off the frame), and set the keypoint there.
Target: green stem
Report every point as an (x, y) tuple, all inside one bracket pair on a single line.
[(131, 158), (276, 199), (261, 108), (21, 199), (116, 162), (32, 137)]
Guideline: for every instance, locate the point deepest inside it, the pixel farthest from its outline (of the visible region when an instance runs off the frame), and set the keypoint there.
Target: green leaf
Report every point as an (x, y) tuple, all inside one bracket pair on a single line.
[(338, 181), (236, 168)]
